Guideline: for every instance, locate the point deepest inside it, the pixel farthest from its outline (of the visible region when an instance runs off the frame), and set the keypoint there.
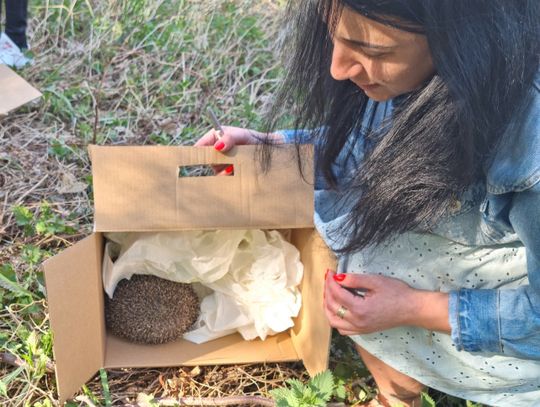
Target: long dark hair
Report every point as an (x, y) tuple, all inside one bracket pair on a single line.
[(485, 54)]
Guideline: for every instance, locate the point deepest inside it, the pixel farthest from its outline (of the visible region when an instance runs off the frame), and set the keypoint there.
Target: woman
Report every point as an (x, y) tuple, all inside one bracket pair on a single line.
[(426, 117)]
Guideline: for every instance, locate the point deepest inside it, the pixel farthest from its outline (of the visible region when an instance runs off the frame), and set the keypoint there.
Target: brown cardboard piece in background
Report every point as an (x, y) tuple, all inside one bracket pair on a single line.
[(14, 91), (138, 189)]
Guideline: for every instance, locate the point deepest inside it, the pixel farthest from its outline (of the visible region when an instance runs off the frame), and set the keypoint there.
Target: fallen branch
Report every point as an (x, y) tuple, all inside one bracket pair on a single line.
[(13, 360), (213, 401), (206, 401)]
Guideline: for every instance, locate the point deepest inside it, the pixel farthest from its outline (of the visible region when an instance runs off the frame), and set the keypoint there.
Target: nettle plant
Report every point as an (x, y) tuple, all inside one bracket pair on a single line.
[(317, 392), (44, 222)]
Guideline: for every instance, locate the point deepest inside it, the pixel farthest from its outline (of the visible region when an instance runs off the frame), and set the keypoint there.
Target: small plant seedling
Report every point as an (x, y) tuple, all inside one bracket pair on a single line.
[(316, 392)]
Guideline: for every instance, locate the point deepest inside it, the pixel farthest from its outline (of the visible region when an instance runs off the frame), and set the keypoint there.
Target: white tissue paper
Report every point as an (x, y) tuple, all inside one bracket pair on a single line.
[(253, 276)]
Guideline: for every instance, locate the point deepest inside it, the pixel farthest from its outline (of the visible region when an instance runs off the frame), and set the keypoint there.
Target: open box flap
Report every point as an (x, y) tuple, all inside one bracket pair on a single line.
[(138, 188), (311, 333), (14, 91), (75, 299)]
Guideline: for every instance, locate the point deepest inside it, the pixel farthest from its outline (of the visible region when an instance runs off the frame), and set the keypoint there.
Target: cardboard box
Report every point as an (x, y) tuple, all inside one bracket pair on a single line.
[(139, 189), (14, 91)]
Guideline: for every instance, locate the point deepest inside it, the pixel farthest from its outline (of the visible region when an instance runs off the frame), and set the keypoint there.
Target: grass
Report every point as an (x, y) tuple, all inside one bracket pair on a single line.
[(124, 72)]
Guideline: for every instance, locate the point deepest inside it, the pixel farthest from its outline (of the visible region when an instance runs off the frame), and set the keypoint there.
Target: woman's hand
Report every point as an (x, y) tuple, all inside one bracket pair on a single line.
[(388, 303), (233, 136)]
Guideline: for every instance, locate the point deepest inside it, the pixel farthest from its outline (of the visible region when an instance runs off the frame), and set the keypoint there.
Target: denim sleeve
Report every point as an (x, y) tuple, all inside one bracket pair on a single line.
[(505, 321), (298, 136)]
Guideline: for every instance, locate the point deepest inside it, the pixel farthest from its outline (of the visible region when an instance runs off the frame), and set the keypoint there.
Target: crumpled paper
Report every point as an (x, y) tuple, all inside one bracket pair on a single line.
[(253, 276)]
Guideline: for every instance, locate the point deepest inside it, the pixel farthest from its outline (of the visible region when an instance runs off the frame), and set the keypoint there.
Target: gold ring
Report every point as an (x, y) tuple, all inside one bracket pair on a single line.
[(340, 313)]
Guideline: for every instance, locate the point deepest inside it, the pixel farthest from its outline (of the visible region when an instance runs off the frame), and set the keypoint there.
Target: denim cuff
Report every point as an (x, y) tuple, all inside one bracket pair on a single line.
[(298, 136), (474, 320)]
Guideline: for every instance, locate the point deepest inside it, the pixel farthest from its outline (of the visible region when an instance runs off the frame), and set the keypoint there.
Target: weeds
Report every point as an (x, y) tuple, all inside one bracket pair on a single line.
[(317, 392)]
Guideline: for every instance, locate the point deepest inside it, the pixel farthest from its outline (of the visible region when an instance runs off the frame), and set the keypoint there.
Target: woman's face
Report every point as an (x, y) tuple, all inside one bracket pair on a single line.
[(383, 61)]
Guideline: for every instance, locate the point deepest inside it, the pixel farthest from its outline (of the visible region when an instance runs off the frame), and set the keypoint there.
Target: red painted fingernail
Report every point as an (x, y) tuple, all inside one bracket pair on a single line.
[(229, 169), (339, 277), (219, 145)]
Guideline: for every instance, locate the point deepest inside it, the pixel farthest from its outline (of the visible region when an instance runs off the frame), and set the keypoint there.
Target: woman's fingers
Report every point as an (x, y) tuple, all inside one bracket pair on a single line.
[(343, 324), (209, 139), (336, 295), (342, 307), (227, 169), (221, 141)]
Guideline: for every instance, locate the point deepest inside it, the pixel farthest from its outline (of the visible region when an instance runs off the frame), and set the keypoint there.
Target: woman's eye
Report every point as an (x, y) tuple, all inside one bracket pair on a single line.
[(370, 53), (374, 55)]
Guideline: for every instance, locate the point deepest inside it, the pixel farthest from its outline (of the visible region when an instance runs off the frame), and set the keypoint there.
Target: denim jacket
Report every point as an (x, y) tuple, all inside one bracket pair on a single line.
[(503, 209)]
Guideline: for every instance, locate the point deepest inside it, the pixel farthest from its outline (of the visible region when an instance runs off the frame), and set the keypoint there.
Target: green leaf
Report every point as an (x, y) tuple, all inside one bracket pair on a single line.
[(23, 216), (9, 377), (284, 397), (32, 344), (323, 384), (309, 395), (87, 392), (292, 399), (58, 148), (105, 386), (296, 386), (9, 282), (48, 403), (427, 401), (31, 254), (8, 272), (41, 227), (278, 393), (283, 403), (340, 392)]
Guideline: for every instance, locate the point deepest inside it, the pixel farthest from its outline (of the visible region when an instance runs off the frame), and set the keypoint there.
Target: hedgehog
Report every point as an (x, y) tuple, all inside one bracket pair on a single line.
[(151, 310)]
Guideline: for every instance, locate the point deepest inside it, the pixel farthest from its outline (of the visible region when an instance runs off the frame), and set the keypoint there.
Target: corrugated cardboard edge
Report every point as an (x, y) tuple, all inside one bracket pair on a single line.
[(14, 91), (74, 293)]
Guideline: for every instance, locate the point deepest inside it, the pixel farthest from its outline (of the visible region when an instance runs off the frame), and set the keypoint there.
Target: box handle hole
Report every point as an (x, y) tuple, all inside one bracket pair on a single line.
[(205, 170)]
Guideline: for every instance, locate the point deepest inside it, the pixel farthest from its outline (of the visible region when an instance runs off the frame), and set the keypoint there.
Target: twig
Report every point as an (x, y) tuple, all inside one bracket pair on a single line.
[(30, 190), (4, 206), (216, 401), (209, 401), (13, 360)]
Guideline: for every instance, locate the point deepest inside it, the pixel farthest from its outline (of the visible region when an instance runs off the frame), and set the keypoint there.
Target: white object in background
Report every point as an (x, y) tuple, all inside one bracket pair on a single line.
[(10, 54)]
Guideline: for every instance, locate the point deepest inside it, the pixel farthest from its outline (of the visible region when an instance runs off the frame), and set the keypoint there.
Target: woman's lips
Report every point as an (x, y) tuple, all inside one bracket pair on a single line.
[(367, 86)]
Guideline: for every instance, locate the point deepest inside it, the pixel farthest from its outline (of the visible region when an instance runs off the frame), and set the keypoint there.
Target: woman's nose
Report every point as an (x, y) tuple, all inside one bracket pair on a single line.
[(344, 66)]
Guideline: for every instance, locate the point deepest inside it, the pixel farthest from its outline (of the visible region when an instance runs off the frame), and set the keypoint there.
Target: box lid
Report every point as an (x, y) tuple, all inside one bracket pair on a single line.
[(14, 91), (138, 188)]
